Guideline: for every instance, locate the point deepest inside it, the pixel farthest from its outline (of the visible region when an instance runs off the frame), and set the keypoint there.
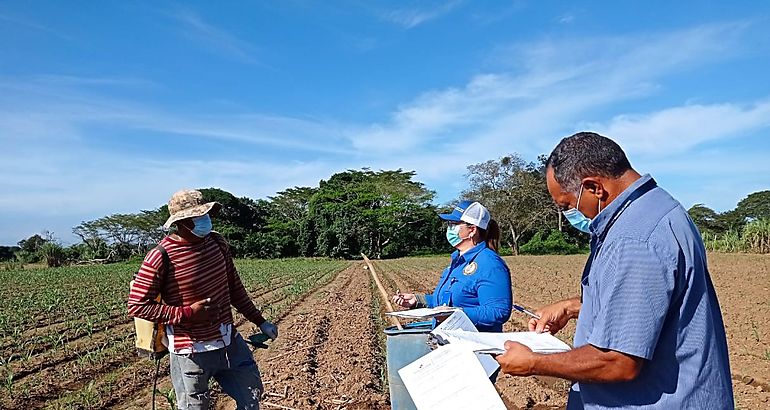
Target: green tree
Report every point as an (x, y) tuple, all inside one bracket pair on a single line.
[(29, 249), (754, 206), (706, 219), (8, 253), (287, 221), (383, 214), (123, 234), (239, 221), (516, 195)]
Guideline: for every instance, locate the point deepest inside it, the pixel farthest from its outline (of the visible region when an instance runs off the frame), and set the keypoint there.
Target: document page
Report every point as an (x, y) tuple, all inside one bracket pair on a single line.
[(423, 312), (450, 378), (495, 342), (460, 321), (457, 321)]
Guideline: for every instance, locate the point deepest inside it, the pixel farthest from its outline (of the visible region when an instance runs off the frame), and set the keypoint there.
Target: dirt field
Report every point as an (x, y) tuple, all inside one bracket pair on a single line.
[(330, 353), (346, 371), (743, 287)]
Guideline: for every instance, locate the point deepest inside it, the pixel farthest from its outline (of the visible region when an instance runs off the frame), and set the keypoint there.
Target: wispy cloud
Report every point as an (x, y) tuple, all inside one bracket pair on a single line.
[(683, 128), (31, 107), (32, 25), (415, 16), (538, 93), (217, 39), (551, 89)]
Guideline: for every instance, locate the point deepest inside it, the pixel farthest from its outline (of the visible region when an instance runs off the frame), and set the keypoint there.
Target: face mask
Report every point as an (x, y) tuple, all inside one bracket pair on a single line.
[(576, 218), (202, 226), (453, 235)]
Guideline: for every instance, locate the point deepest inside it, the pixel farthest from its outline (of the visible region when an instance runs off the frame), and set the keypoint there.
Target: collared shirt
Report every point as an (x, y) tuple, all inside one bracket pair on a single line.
[(647, 292), (479, 282)]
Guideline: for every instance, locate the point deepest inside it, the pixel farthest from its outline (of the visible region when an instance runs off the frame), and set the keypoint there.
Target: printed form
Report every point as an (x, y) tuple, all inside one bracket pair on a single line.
[(450, 377), (423, 312)]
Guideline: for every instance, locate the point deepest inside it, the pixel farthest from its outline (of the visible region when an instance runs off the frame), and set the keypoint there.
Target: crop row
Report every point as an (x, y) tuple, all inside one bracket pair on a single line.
[(45, 350)]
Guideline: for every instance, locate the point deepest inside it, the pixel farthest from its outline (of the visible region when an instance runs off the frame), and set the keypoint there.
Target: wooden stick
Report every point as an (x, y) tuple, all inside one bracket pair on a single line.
[(383, 293), (336, 401), (277, 406)]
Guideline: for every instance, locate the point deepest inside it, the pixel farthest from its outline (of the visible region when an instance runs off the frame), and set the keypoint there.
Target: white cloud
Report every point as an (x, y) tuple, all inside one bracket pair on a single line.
[(217, 39), (38, 108), (539, 93), (32, 25), (678, 129), (413, 17), (551, 88)]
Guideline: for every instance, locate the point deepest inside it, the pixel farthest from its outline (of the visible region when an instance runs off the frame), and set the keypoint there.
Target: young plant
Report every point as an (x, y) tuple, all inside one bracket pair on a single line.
[(8, 380)]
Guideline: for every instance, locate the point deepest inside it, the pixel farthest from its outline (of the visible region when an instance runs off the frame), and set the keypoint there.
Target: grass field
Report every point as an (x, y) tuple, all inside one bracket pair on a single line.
[(66, 341)]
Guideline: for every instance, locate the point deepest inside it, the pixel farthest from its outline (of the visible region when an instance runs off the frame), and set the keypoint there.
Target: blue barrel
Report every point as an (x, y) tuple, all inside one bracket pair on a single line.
[(404, 347)]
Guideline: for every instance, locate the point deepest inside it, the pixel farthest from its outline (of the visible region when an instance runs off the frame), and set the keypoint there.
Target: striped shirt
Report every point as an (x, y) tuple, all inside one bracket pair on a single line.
[(199, 271)]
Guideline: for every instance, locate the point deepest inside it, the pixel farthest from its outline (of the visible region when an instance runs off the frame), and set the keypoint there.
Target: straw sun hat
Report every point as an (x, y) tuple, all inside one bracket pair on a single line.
[(188, 203)]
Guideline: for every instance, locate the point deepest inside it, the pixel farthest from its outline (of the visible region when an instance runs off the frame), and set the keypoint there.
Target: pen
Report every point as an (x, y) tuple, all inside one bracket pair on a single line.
[(525, 311)]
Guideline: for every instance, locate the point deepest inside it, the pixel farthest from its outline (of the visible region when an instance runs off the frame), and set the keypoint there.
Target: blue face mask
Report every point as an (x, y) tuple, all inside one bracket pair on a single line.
[(453, 235), (576, 218), (202, 226)]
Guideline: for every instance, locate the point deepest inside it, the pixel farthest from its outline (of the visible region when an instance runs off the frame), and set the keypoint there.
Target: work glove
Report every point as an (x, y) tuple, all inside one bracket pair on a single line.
[(269, 329)]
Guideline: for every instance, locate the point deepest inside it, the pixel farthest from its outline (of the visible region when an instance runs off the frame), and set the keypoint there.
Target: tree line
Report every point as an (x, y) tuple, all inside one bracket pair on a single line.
[(746, 228), (384, 214)]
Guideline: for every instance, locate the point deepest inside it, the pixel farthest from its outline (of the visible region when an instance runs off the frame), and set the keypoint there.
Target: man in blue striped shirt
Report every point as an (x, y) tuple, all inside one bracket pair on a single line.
[(649, 328)]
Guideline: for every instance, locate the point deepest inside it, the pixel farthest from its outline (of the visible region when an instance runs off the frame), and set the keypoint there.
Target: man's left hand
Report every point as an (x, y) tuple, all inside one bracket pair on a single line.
[(517, 360)]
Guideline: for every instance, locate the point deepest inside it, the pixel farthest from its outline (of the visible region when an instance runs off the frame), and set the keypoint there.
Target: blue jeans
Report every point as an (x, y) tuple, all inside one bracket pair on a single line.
[(233, 367)]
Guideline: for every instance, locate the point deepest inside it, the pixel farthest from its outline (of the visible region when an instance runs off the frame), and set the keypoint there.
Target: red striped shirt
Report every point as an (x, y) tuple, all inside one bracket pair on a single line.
[(200, 270)]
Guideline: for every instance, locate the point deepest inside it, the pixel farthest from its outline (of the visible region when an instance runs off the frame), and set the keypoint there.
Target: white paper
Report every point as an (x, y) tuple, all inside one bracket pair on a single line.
[(450, 377), (495, 342), (423, 312), (460, 321), (457, 321), (488, 362)]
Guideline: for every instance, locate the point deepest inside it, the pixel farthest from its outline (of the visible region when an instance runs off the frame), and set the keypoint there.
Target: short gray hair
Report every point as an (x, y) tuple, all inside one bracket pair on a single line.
[(583, 155)]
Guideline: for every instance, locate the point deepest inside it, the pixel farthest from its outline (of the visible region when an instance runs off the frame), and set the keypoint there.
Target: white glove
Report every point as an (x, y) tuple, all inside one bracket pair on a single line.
[(269, 329)]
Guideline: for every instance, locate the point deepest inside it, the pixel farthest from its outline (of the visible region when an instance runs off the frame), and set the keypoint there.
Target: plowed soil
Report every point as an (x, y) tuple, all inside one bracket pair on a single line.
[(742, 283), (330, 351)]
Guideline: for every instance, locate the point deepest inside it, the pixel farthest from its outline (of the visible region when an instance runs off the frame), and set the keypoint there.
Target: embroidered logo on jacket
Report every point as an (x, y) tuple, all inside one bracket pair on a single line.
[(470, 269)]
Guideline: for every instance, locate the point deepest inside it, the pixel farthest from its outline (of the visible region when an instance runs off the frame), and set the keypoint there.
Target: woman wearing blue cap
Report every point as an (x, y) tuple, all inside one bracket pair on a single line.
[(477, 279)]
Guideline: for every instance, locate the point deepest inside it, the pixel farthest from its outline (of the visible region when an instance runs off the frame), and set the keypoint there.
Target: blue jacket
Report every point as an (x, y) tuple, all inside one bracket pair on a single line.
[(479, 282)]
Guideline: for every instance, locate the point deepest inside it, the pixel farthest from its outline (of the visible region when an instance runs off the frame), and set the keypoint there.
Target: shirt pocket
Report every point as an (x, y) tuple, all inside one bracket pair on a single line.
[(469, 290), (589, 297), (464, 293)]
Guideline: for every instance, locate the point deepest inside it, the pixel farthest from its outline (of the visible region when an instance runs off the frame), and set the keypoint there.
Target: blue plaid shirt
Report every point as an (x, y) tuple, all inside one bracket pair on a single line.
[(647, 292)]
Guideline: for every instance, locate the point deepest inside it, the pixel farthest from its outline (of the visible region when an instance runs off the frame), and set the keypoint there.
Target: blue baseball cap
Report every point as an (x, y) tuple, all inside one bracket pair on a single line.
[(468, 211)]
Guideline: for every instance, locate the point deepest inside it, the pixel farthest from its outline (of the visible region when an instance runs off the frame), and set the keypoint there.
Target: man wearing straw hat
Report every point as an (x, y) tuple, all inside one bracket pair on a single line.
[(197, 291)]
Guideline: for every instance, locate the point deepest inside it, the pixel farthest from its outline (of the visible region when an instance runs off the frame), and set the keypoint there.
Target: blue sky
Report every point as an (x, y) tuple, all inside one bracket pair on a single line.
[(111, 106)]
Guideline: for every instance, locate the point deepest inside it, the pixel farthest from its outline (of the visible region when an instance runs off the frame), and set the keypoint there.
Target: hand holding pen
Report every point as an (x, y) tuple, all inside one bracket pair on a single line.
[(554, 317), (407, 300), (524, 310)]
